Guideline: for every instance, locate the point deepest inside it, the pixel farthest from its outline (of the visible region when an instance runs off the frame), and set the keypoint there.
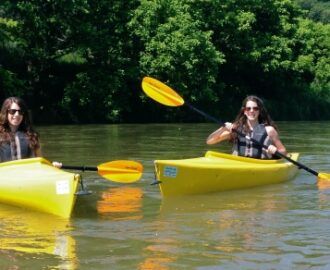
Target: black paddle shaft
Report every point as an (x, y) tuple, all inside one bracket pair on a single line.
[(79, 168), (298, 164)]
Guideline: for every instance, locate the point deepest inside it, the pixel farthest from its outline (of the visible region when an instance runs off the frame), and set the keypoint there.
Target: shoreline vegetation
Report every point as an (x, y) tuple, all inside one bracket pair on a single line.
[(82, 62)]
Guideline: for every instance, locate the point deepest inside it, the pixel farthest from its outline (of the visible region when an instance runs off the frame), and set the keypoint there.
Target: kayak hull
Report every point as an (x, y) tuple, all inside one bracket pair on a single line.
[(217, 172), (37, 185)]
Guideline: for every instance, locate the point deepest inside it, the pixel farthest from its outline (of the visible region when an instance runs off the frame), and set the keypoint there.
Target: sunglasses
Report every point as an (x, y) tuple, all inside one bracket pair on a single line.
[(13, 111), (248, 109)]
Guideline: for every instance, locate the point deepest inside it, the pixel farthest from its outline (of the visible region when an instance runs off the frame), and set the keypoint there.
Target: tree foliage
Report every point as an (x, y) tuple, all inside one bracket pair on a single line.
[(82, 61), (317, 10)]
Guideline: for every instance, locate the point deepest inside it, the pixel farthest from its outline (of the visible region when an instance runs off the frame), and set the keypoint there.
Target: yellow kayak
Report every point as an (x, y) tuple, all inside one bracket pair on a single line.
[(35, 184), (220, 172)]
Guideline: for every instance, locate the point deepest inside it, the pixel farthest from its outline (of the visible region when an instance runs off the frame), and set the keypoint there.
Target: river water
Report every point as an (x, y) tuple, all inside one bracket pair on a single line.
[(120, 226)]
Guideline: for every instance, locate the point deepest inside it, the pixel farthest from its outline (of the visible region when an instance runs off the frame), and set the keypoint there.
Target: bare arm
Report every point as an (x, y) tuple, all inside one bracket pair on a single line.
[(221, 134), (273, 135)]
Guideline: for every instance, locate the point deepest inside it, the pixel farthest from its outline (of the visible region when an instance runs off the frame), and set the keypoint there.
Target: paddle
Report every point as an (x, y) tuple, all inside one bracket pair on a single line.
[(121, 171), (165, 95)]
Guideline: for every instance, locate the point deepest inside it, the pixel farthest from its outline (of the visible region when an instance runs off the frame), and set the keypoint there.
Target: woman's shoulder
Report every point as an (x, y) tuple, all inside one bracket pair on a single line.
[(270, 130)]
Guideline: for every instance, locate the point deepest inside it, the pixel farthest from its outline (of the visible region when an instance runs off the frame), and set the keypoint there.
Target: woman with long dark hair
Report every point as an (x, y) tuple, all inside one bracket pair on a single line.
[(254, 121), (18, 139)]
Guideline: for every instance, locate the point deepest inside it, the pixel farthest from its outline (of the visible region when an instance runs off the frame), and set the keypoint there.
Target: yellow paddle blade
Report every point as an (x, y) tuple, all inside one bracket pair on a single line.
[(161, 92), (122, 171), (323, 176)]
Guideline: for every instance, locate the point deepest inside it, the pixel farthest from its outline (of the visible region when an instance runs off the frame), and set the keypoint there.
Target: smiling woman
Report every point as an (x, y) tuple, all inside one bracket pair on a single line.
[(18, 139), (254, 121)]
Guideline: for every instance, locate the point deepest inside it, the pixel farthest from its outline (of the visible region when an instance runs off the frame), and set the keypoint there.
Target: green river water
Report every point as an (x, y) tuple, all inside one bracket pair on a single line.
[(120, 226)]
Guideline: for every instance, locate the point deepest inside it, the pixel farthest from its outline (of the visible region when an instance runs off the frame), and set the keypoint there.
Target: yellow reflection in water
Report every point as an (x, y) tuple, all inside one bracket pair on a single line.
[(323, 195), (161, 251), (36, 233), (323, 184), (122, 203), (156, 263)]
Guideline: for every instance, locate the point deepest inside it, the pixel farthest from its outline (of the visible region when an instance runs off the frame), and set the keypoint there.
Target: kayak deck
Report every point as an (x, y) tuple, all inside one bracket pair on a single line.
[(220, 172), (35, 184)]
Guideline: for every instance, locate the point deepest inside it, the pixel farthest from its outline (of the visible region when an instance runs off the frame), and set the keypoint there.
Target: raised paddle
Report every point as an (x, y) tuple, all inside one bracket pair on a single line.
[(165, 95), (121, 171)]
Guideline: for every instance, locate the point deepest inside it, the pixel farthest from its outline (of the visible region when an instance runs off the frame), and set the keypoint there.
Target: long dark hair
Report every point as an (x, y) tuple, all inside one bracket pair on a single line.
[(240, 121), (25, 126)]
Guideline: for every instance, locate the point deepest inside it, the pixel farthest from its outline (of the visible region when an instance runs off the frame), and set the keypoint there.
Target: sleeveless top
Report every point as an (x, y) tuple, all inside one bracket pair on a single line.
[(17, 148), (246, 148)]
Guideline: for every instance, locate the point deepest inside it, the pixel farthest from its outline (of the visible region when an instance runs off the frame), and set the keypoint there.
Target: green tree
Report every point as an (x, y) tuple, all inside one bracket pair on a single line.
[(74, 54), (247, 48), (313, 61), (10, 85), (110, 68), (83, 61), (317, 10), (175, 48), (44, 34)]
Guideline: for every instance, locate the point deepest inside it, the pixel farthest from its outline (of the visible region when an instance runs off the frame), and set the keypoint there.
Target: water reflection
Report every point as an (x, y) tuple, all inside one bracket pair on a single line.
[(121, 203), (281, 226), (162, 247), (38, 234), (256, 199), (323, 184), (161, 255), (230, 222)]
